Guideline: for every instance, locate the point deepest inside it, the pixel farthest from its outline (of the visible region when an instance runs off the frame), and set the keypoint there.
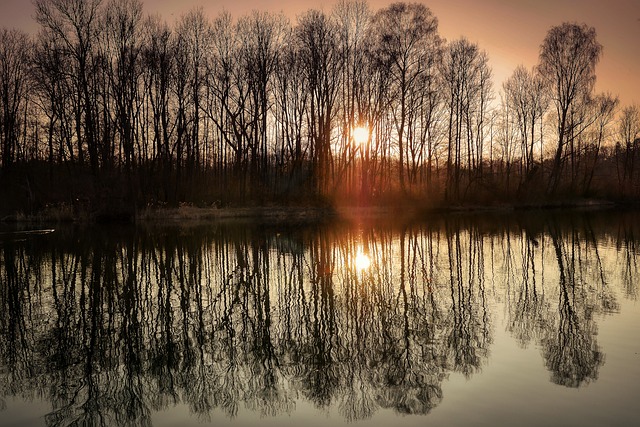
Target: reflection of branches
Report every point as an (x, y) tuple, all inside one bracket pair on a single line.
[(628, 245), (16, 342), (468, 336), (528, 308), (321, 380), (571, 352), (228, 318)]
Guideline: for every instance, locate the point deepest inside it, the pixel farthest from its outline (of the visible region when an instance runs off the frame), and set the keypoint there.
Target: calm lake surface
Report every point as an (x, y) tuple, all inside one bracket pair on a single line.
[(518, 319)]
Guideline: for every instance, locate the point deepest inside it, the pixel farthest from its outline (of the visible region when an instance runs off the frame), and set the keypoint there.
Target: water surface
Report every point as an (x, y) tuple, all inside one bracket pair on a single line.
[(528, 319)]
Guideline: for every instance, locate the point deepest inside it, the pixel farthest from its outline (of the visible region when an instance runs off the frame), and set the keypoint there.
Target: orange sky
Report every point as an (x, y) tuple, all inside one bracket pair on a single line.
[(509, 30)]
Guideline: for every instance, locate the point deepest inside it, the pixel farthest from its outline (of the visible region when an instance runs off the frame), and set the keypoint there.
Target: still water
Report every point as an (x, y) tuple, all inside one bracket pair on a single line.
[(457, 320)]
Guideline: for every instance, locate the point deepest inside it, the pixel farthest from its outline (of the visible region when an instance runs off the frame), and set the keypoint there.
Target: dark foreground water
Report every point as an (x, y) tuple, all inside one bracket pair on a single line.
[(457, 320)]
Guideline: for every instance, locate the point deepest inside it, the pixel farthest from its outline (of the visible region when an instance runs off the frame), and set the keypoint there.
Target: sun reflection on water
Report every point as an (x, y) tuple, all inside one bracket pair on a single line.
[(362, 261)]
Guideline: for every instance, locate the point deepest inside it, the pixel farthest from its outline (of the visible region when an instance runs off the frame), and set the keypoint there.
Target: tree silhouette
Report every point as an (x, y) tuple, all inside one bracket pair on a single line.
[(568, 57), (107, 111)]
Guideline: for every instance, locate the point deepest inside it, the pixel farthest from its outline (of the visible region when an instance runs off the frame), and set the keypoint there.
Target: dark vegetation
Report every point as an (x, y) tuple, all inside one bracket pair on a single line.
[(106, 111)]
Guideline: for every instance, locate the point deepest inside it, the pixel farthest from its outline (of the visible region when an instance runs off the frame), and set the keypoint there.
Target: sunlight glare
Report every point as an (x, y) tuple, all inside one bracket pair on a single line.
[(360, 134), (362, 261)]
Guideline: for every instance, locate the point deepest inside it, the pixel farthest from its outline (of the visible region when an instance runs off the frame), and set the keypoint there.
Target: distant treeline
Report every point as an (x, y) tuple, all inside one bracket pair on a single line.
[(107, 107)]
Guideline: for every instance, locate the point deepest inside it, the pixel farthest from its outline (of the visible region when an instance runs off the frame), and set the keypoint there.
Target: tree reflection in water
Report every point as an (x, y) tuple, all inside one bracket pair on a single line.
[(110, 326)]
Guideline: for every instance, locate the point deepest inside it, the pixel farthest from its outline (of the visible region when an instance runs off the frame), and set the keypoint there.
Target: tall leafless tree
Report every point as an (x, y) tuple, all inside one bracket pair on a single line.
[(568, 57), (291, 102), (466, 74), (603, 110), (407, 42), (526, 95), (123, 24), (629, 144), (317, 36), (75, 24), (15, 62), (353, 22), (158, 61), (262, 37)]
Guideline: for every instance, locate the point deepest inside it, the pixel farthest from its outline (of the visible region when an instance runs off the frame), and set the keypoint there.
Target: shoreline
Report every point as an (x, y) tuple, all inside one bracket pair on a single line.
[(188, 214)]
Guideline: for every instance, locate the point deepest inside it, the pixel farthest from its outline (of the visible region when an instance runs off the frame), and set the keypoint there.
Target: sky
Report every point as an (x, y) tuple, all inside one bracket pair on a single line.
[(511, 31)]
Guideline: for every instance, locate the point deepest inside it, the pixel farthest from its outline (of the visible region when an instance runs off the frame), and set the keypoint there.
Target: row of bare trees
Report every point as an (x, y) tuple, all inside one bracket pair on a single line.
[(260, 109)]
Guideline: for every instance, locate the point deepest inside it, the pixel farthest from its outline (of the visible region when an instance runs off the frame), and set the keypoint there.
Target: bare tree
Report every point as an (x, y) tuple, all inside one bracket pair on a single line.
[(353, 21), (158, 73), (483, 74), (227, 106), (629, 143), (568, 57), (525, 93), (194, 40), (466, 75), (317, 36), (506, 137), (49, 83), (14, 78), (123, 23), (603, 109), (75, 24), (291, 101), (261, 40), (407, 41)]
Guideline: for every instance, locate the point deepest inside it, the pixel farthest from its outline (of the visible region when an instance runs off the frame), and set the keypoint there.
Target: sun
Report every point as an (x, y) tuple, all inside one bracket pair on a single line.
[(360, 134)]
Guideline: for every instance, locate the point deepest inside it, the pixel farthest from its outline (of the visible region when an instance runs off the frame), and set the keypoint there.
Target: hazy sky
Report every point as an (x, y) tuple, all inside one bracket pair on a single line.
[(511, 31)]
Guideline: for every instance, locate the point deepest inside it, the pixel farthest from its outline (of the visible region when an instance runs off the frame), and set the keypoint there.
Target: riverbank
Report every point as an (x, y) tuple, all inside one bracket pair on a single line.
[(189, 214)]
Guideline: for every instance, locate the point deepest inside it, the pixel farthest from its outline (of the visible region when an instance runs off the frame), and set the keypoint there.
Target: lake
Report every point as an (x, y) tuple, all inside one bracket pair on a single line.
[(462, 319)]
